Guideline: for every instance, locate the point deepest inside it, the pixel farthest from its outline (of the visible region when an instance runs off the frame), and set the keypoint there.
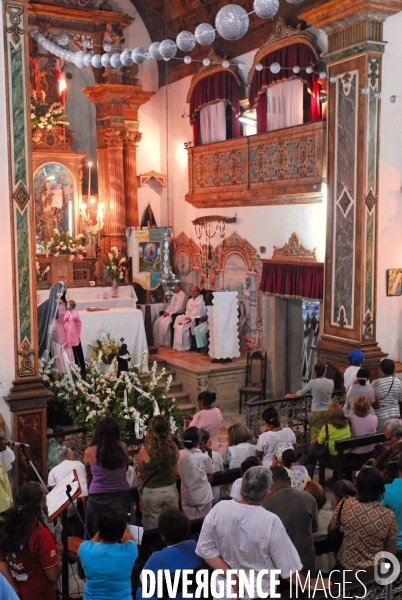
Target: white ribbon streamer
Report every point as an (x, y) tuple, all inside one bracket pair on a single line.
[(142, 393)]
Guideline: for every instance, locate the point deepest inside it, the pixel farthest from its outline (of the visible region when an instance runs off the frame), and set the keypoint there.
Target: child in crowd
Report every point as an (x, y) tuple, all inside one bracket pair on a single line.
[(209, 417), (274, 435), (205, 446), (250, 462), (285, 456), (194, 468), (239, 446)]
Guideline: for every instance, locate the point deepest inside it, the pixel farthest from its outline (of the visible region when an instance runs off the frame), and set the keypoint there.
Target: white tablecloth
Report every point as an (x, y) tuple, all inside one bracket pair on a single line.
[(127, 323), (155, 310), (111, 303), (91, 293)]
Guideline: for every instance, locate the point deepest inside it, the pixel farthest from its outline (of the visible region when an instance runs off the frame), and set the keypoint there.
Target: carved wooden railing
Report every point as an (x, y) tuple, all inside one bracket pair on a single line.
[(287, 166), (293, 413)]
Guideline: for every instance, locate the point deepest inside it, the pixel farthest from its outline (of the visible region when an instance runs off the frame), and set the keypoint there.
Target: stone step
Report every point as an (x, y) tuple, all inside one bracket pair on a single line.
[(147, 376), (174, 386), (180, 396), (187, 409)]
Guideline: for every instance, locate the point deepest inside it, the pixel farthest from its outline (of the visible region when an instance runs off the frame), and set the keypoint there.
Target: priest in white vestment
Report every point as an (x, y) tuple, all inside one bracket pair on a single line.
[(185, 324), (161, 329)]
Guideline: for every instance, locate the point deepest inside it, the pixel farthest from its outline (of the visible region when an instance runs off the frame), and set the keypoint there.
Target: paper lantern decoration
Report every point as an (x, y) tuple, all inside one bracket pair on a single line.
[(204, 34), (107, 47), (266, 9), (294, 1), (187, 60), (206, 62), (258, 67), (62, 39), (96, 61), (186, 41), (309, 69), (296, 70), (139, 55), (275, 68), (225, 64), (105, 60), (115, 61), (87, 60), (154, 51), (232, 22), (125, 57), (323, 75), (241, 65), (333, 79), (168, 49)]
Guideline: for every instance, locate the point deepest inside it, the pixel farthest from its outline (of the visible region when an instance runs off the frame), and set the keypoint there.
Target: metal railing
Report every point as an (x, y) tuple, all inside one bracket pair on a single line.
[(293, 413)]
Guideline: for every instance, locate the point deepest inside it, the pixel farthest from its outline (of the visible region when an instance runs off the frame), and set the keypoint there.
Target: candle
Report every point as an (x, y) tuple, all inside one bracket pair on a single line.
[(89, 178)]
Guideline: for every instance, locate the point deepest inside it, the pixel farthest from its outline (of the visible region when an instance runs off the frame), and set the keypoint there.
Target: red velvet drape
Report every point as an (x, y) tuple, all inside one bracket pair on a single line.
[(293, 281), (219, 86), (288, 57)]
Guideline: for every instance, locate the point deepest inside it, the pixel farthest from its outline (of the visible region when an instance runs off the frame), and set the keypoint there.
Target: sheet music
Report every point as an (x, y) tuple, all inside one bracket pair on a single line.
[(137, 532), (57, 497)]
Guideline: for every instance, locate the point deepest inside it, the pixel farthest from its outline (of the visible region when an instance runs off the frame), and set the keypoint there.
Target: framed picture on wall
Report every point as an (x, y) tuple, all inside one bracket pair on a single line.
[(394, 282)]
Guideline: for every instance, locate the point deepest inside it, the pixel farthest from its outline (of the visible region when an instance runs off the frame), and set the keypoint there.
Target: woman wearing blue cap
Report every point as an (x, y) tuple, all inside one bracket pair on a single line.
[(356, 358)]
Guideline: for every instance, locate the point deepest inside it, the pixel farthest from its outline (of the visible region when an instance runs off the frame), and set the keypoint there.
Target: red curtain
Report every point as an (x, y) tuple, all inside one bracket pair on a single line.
[(219, 86), (293, 281), (288, 57)]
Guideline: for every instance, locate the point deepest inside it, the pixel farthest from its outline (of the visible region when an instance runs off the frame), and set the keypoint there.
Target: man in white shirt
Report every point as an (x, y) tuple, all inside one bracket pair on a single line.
[(185, 324), (161, 329), (65, 456)]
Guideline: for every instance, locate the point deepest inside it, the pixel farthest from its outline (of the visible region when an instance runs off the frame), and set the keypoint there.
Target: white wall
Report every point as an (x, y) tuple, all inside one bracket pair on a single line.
[(6, 295), (389, 309)]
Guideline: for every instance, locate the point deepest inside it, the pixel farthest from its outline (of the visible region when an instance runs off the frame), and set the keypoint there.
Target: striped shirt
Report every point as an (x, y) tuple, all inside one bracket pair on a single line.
[(389, 392), (248, 537)]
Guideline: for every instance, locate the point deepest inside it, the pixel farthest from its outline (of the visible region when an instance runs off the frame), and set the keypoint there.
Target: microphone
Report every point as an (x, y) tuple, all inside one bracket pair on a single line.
[(12, 443), (57, 530)]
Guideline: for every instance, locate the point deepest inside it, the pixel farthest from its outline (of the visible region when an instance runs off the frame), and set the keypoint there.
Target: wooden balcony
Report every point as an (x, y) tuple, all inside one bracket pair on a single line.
[(287, 166)]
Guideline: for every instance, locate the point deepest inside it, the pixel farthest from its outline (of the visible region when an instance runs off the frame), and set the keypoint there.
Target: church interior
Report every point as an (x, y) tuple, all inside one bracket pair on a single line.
[(156, 152)]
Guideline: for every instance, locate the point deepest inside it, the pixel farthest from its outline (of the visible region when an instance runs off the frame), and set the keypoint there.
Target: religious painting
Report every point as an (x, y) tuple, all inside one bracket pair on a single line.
[(394, 286), (185, 273), (149, 254), (54, 194)]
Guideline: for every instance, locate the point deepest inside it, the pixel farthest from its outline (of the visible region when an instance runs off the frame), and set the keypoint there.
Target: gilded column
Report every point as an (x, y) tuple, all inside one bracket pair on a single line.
[(130, 176), (27, 398), (355, 48), (117, 136)]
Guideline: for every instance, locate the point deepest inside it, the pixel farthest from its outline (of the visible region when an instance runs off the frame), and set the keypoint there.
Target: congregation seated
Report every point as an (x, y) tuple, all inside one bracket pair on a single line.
[(285, 456), (368, 526), (387, 454), (362, 422), (162, 325), (361, 387), (392, 499), (184, 325), (108, 559), (209, 417), (249, 463), (216, 457), (239, 446), (298, 512)]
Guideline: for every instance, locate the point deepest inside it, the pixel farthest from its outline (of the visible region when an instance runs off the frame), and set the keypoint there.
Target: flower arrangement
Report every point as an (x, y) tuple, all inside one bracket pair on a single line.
[(115, 264), (46, 114), (128, 398), (105, 348), (41, 274), (63, 243)]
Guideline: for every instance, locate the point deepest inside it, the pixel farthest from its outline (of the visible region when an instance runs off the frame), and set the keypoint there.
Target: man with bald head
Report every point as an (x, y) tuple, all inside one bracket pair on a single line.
[(185, 324)]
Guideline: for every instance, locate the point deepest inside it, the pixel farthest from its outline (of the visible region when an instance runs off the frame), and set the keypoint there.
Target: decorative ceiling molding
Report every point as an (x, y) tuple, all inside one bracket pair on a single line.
[(145, 177), (294, 249)]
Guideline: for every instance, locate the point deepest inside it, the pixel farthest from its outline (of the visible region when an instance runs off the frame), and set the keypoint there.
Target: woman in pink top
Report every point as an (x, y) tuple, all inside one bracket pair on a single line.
[(361, 423), (209, 417)]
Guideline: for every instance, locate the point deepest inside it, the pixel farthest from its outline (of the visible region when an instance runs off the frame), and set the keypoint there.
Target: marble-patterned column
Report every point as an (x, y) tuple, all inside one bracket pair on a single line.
[(117, 136), (355, 48), (27, 397)]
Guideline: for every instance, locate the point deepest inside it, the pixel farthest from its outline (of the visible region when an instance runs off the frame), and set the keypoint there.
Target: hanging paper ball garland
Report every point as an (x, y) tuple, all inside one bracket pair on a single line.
[(206, 62), (296, 70), (275, 68), (266, 9), (115, 61), (241, 65), (232, 22), (86, 43), (87, 60), (168, 49), (204, 34), (154, 51), (139, 55), (225, 64), (62, 39), (186, 41), (105, 60), (107, 47), (125, 58), (294, 1), (187, 60), (259, 67), (96, 61)]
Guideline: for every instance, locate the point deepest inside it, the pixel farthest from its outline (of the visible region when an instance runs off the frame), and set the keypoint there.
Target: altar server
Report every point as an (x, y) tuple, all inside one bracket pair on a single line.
[(186, 323), (161, 328)]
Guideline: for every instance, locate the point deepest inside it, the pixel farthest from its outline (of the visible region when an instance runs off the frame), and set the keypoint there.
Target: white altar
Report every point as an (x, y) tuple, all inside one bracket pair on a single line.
[(97, 296), (127, 323)]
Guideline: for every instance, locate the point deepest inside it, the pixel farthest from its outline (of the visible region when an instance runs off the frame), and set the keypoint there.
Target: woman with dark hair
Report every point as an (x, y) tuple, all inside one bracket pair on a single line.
[(157, 460), (195, 469), (361, 387), (389, 392), (105, 464), (368, 527), (320, 389), (285, 456), (29, 556), (239, 446), (275, 434), (209, 417), (108, 559), (179, 554)]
